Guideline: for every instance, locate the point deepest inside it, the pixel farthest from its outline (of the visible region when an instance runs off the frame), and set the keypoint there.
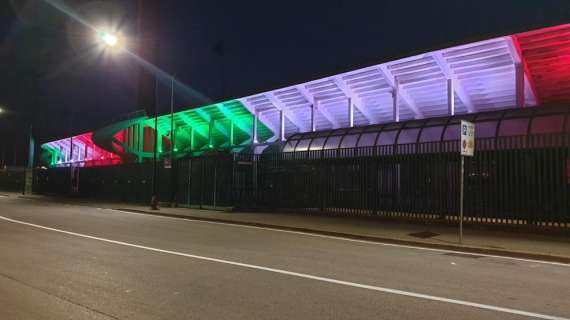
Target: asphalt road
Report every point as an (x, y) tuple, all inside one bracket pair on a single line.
[(71, 262)]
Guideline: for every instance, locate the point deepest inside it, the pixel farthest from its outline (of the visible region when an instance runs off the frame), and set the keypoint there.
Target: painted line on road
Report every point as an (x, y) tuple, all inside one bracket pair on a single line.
[(302, 275), (316, 235)]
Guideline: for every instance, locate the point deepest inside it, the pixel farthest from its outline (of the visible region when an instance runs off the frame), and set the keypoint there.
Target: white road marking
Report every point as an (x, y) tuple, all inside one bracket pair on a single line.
[(316, 235), (302, 275)]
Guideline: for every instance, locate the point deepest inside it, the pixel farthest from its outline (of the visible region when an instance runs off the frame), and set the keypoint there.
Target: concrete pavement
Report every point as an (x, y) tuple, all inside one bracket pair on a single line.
[(543, 246), (68, 262)]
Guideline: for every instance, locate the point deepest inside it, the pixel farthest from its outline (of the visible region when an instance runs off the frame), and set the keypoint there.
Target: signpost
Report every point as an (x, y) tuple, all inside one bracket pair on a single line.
[(467, 150)]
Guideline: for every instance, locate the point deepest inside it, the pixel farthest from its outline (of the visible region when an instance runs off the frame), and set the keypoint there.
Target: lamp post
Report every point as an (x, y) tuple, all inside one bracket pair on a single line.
[(114, 41)]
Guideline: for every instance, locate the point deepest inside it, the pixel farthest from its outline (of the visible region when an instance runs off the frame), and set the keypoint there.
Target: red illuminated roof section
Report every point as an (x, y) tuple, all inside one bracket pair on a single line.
[(546, 55)]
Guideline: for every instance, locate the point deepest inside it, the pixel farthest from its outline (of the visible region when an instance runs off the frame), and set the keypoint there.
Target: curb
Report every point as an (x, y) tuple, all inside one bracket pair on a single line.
[(352, 236), (448, 247)]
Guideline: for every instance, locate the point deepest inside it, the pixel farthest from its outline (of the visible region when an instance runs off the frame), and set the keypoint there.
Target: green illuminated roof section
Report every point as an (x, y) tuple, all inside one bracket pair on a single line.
[(222, 116)]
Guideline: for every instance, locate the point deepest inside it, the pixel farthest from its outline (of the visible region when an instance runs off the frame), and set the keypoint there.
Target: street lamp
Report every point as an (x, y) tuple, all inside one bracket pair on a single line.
[(110, 40), (114, 41)]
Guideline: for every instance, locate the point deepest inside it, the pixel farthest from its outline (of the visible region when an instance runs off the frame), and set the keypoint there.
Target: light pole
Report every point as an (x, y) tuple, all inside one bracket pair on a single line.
[(113, 41)]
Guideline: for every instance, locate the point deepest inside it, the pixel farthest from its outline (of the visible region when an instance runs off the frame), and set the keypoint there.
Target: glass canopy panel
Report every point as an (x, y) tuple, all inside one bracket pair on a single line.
[(451, 132), (486, 129), (318, 143), (332, 142), (513, 127), (349, 141), (303, 145), (368, 139), (547, 124), (387, 138), (408, 136), (431, 134)]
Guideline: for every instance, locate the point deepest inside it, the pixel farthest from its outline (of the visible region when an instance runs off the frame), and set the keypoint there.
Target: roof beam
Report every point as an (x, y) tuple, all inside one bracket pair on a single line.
[(192, 125), (355, 99), (311, 98), (281, 107), (217, 124), (458, 88), (230, 115), (262, 117), (389, 77), (514, 50)]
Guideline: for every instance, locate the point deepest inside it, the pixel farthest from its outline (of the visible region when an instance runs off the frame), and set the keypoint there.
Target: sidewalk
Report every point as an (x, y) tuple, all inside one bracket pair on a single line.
[(476, 240)]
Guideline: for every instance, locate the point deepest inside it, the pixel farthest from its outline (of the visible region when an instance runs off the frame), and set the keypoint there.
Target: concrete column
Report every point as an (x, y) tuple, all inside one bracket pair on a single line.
[(211, 134), (70, 156), (396, 103), (191, 138), (350, 113), (254, 139), (140, 141), (159, 143), (450, 97), (232, 141), (282, 125), (520, 85), (313, 116)]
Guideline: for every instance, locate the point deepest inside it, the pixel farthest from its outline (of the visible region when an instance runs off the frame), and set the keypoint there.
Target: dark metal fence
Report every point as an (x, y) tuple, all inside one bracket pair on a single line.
[(520, 180), (511, 180), (12, 179)]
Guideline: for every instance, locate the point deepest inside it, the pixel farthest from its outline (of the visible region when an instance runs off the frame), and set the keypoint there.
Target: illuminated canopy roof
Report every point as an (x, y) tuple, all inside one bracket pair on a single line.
[(520, 70)]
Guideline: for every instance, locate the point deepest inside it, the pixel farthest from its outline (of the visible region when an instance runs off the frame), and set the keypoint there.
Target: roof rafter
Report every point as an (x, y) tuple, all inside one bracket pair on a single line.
[(389, 77), (217, 124), (311, 98), (514, 50), (290, 115), (459, 90), (230, 115), (268, 123), (355, 99)]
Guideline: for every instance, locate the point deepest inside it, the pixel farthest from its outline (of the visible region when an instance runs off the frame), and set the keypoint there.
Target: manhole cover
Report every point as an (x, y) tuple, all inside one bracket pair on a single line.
[(424, 234)]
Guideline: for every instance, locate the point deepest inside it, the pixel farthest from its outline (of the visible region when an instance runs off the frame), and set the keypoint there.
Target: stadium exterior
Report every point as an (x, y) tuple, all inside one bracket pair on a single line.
[(381, 140)]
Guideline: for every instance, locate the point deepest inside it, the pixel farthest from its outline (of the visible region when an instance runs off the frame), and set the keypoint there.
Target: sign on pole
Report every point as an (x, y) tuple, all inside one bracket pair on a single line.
[(467, 138), (467, 150)]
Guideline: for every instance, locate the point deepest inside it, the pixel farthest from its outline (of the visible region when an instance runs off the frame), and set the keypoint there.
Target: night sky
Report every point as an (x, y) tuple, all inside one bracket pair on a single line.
[(55, 77)]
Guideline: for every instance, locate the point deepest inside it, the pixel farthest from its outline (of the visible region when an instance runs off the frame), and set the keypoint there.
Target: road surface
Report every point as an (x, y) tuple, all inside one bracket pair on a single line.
[(71, 262)]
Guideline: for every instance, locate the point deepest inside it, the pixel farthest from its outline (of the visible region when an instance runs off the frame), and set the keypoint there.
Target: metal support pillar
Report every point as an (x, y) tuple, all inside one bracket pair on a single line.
[(70, 149), (313, 116), (140, 142), (159, 143), (396, 105), (450, 97), (282, 125), (520, 85), (350, 113), (211, 134), (191, 138), (232, 141), (254, 139)]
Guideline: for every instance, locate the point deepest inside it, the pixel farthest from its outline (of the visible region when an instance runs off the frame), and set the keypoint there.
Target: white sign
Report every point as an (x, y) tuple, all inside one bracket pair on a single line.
[(467, 138)]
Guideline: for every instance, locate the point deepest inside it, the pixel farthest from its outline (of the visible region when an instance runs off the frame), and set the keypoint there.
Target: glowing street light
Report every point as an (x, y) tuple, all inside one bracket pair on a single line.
[(108, 39), (1, 110)]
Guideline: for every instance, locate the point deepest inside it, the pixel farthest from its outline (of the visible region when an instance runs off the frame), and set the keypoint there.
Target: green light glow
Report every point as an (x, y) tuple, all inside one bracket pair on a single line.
[(192, 131)]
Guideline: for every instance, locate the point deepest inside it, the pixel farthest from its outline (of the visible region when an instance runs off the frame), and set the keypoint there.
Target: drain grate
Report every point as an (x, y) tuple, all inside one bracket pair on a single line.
[(424, 234)]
